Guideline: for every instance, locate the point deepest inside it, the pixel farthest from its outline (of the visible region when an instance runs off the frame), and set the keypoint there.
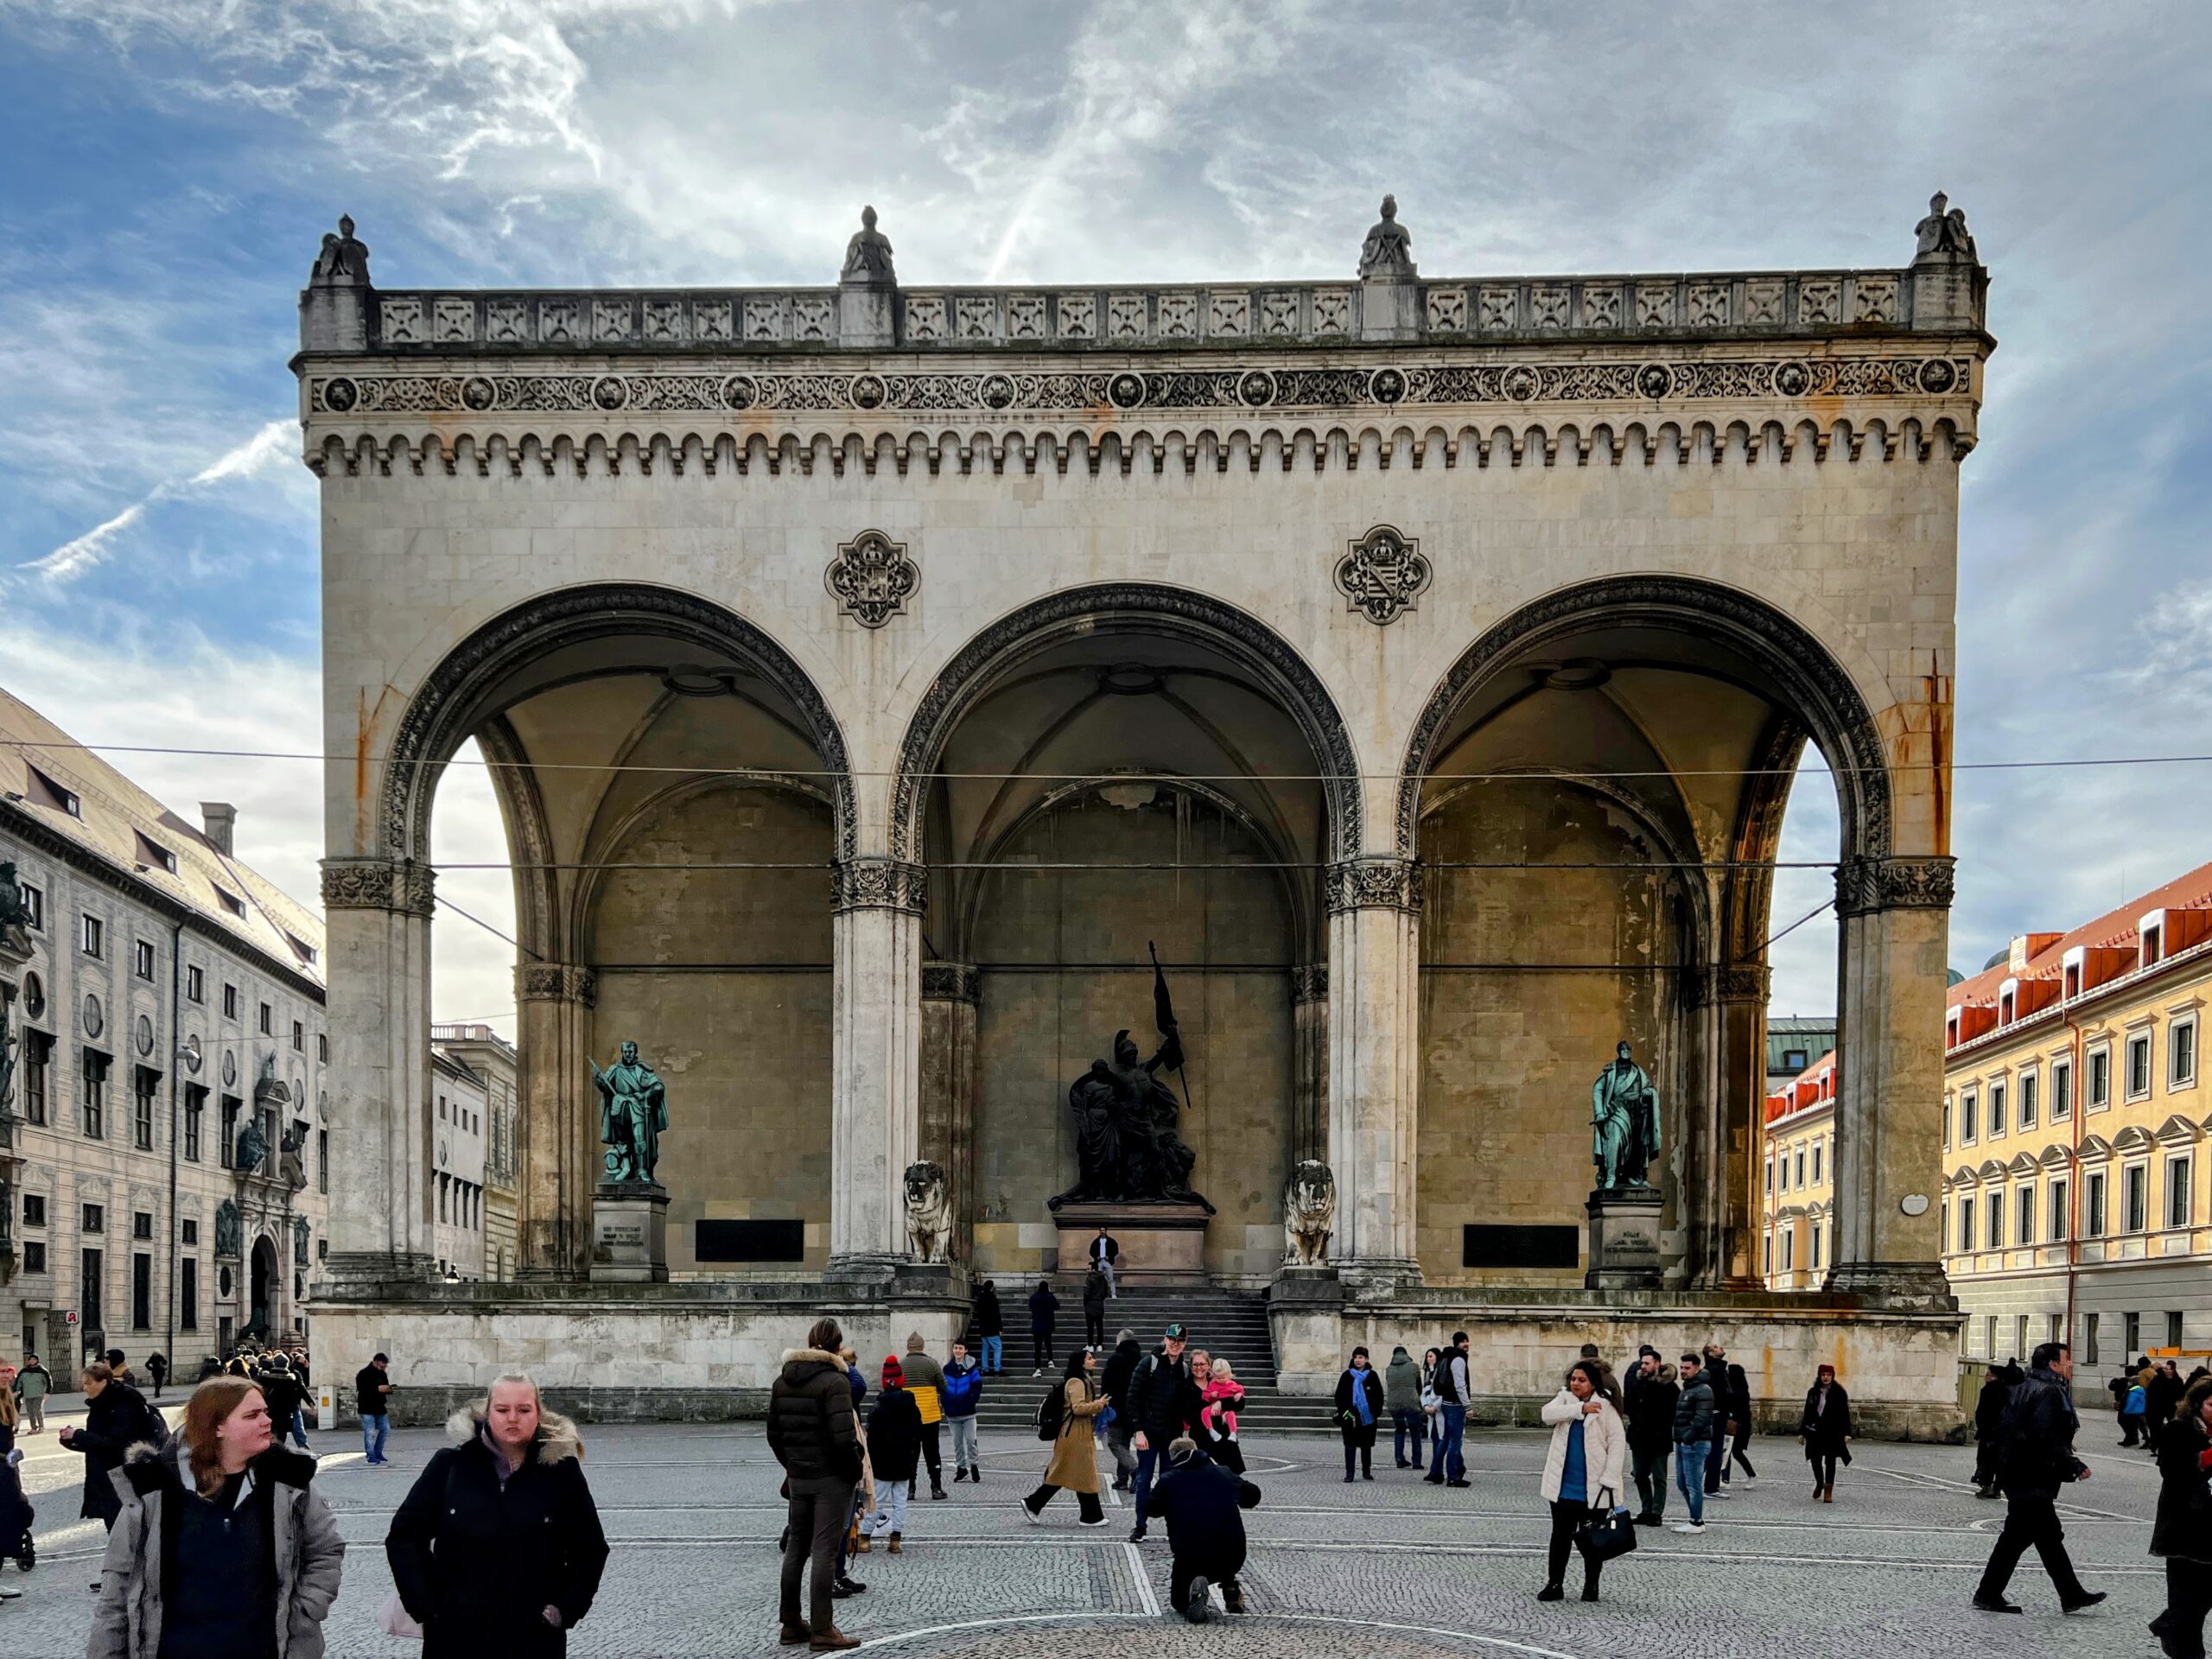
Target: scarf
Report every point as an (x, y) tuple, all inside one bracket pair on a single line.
[(1359, 1393), (499, 1463)]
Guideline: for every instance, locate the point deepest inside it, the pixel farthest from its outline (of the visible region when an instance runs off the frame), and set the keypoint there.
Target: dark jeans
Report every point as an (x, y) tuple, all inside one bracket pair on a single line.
[(1409, 1425), (2180, 1628), (1651, 1479), (2030, 1520), (817, 1515), (1147, 1460), (1824, 1469), (1219, 1565), (1041, 1341), (1094, 1327), (1716, 1456), (2133, 1431), (1450, 1460), (1125, 1455), (1086, 1502), (1567, 1513), (1736, 1450), (933, 1455), (1359, 1443), (1984, 1463)]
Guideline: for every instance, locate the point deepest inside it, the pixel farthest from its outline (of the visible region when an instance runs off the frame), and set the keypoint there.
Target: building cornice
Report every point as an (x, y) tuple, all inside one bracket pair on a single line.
[(26, 827), (2037, 1025)]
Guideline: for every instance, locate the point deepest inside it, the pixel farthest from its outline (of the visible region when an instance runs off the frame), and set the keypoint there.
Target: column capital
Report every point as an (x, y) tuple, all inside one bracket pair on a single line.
[(951, 982), (379, 884), (1309, 983), (1727, 982), (1380, 882), (1865, 885), (879, 884), (556, 982)]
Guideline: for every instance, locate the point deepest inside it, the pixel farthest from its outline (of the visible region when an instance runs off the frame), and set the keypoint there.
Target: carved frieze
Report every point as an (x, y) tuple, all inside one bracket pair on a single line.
[(1865, 885), (1375, 884), (1383, 575), (879, 884), (556, 982), (379, 884), (1309, 983), (1730, 981), (872, 578), (951, 982)]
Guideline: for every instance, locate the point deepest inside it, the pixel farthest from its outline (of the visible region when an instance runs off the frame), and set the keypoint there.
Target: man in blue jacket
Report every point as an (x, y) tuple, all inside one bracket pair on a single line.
[(962, 1393), (1200, 1501)]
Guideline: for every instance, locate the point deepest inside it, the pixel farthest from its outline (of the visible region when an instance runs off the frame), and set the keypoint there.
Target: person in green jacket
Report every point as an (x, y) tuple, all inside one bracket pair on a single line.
[(1402, 1384), (33, 1383)]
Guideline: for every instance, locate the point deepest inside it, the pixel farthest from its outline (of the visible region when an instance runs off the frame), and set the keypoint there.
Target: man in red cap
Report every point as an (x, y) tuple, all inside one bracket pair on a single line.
[(894, 1446)]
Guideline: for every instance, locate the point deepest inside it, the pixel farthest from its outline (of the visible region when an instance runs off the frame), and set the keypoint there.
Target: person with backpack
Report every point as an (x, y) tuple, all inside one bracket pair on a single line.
[(925, 1382), (1043, 1306), (1157, 1408), (1201, 1503), (962, 1393), (1064, 1418), (1450, 1381), (990, 1330), (116, 1418)]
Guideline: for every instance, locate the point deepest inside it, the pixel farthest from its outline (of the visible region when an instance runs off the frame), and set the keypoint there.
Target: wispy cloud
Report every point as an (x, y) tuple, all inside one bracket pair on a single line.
[(274, 443)]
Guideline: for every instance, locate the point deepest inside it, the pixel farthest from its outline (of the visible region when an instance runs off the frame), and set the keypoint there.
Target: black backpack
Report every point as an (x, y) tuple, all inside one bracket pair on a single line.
[(1052, 1412)]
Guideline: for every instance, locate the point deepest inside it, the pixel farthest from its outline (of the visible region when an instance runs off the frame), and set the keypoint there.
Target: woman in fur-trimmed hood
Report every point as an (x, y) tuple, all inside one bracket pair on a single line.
[(499, 1549), (222, 1549)]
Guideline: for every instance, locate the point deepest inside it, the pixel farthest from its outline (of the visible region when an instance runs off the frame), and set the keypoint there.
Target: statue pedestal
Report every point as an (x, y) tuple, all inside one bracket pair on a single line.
[(1161, 1243), (629, 1233), (1624, 1239)]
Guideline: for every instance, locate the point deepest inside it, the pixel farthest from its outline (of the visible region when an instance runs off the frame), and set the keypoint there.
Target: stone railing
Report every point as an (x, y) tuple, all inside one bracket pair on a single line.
[(1471, 310)]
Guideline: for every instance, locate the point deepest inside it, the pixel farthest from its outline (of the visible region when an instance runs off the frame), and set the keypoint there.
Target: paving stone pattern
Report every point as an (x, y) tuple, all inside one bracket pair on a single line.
[(1391, 1569)]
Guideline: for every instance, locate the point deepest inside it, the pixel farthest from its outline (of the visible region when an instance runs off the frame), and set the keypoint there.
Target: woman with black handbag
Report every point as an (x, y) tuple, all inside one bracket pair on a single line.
[(1584, 1468), (1827, 1431), (2183, 1530)]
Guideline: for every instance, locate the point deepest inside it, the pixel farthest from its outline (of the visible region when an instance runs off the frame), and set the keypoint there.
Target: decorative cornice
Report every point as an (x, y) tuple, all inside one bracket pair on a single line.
[(951, 982), (1309, 983), (1865, 885), (556, 982), (1375, 884), (879, 884), (379, 884)]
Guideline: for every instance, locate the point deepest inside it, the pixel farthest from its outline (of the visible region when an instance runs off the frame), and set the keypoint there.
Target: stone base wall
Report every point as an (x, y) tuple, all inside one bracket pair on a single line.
[(611, 1353), (1900, 1369)]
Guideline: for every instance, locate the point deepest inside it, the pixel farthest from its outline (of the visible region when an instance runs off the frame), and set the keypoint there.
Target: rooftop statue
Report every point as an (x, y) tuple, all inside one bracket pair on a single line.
[(344, 260), (867, 256), (633, 1114), (1387, 253), (1942, 232), (1625, 1124)]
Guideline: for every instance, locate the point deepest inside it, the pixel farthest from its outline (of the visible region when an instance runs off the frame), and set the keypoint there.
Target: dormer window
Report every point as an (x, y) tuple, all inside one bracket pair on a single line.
[(49, 793), (231, 902), (301, 948), (2004, 1005), (2073, 980), (154, 856), (2153, 937)]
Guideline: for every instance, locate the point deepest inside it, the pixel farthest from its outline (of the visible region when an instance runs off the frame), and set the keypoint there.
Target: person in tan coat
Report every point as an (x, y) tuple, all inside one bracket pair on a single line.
[(1074, 1467)]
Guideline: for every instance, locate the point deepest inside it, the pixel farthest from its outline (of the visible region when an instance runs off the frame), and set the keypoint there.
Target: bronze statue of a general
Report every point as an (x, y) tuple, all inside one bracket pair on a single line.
[(1624, 1124), (633, 1114), (1128, 1149)]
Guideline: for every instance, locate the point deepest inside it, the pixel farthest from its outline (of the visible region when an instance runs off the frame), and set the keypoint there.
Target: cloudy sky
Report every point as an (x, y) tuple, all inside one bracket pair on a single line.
[(174, 165)]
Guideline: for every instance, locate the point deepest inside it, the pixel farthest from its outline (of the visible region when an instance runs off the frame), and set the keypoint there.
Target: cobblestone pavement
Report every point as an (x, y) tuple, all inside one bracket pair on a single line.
[(1393, 1569)]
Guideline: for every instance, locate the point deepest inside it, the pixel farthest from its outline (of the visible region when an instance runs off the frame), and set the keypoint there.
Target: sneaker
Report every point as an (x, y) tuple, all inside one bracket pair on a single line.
[(1999, 1605), (1723, 1493), (1136, 1533), (1039, 1371), (1199, 1608), (937, 1493), (1100, 1521), (1688, 1526), (1462, 1485), (1030, 1515), (1647, 1521)]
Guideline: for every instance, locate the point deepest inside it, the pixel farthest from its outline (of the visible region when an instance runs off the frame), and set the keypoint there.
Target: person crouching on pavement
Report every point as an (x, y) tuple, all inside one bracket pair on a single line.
[(1200, 1501), (894, 1447)]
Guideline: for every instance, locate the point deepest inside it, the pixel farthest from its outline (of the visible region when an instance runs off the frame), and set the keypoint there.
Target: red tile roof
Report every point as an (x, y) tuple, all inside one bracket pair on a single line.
[(2115, 929)]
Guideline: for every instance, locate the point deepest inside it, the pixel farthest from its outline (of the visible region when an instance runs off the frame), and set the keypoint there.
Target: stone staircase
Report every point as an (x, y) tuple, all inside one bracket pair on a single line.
[(1230, 1325)]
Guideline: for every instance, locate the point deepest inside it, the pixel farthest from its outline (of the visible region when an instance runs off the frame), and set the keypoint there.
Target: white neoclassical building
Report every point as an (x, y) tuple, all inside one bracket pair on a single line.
[(879, 678)]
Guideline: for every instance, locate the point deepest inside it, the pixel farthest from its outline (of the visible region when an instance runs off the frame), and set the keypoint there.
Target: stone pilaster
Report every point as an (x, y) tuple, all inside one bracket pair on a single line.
[(1722, 1184), (1896, 931), (377, 950), (950, 992), (875, 1085), (1373, 1018), (557, 1143), (1309, 1015)]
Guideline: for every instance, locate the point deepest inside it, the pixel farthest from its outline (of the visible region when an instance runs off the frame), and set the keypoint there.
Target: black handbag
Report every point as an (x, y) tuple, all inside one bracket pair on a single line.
[(1608, 1532)]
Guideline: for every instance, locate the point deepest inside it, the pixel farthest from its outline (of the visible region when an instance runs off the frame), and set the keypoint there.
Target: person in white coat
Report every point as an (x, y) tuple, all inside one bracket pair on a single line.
[(1583, 1468)]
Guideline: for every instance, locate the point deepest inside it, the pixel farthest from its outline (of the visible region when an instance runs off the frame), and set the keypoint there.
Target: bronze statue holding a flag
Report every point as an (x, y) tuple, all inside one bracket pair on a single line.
[(1128, 1148)]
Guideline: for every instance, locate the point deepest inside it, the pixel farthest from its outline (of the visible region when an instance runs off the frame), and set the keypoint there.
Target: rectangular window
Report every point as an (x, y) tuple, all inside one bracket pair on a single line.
[(1997, 1109), (187, 1231), (33, 1210), (2092, 1193), (1947, 1123), (268, 1021), (2139, 1065), (1817, 1244), (1816, 1169), (2024, 1216), (38, 1052), (34, 1257), (142, 1224), (230, 1001), (442, 1182), (299, 1037), (91, 1218), (1789, 1250), (1989, 1336), (1769, 1175), (2058, 1216), (141, 1291), (2051, 1328), (92, 1266), (226, 1150), (145, 1080), (2100, 1079), (322, 1047), (142, 956), (195, 985), (1969, 1116), (1997, 1219), (2173, 1329), (2028, 1093), (2177, 1205), (1800, 1174), (2131, 1333), (187, 1294), (2137, 1180), (94, 936), (94, 1102), (1768, 1253), (2181, 1054), (2062, 1090), (322, 1161), (2020, 1337), (195, 1120), (2089, 1338), (33, 902), (1966, 1223)]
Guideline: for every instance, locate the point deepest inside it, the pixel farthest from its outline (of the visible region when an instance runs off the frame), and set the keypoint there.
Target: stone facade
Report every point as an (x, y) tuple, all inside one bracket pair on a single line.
[(1416, 665), (167, 997), (457, 1144), (491, 1059), (2074, 1117)]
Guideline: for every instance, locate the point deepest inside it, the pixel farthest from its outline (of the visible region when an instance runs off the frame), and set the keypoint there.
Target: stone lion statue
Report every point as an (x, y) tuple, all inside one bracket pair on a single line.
[(928, 1212), (1309, 1214)]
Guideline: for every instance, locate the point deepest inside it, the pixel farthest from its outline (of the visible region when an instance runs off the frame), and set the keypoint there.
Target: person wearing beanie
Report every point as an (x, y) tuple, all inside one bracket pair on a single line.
[(1402, 1386), (894, 1446), (1359, 1409), (963, 1392), (925, 1382)]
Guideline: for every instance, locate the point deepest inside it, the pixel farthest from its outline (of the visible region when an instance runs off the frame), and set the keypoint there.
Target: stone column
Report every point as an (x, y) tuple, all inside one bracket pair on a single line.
[(1374, 1024), (1309, 1014), (1738, 1065), (950, 991), (557, 1145), (875, 1085), (1896, 925), (377, 922)]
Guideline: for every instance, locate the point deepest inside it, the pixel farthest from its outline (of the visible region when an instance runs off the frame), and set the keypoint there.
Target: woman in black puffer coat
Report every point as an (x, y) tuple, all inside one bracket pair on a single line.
[(2183, 1530)]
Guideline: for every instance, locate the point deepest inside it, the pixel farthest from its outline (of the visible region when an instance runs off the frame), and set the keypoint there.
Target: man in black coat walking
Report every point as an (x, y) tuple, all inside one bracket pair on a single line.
[(2034, 1458), (1113, 1383), (1157, 1403), (1200, 1501)]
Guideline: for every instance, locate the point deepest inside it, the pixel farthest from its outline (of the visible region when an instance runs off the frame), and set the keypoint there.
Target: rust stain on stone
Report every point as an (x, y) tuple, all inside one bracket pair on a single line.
[(1936, 689)]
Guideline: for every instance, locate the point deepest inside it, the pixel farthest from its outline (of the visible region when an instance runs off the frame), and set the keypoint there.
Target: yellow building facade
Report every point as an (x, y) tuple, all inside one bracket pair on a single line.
[(1797, 1231)]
